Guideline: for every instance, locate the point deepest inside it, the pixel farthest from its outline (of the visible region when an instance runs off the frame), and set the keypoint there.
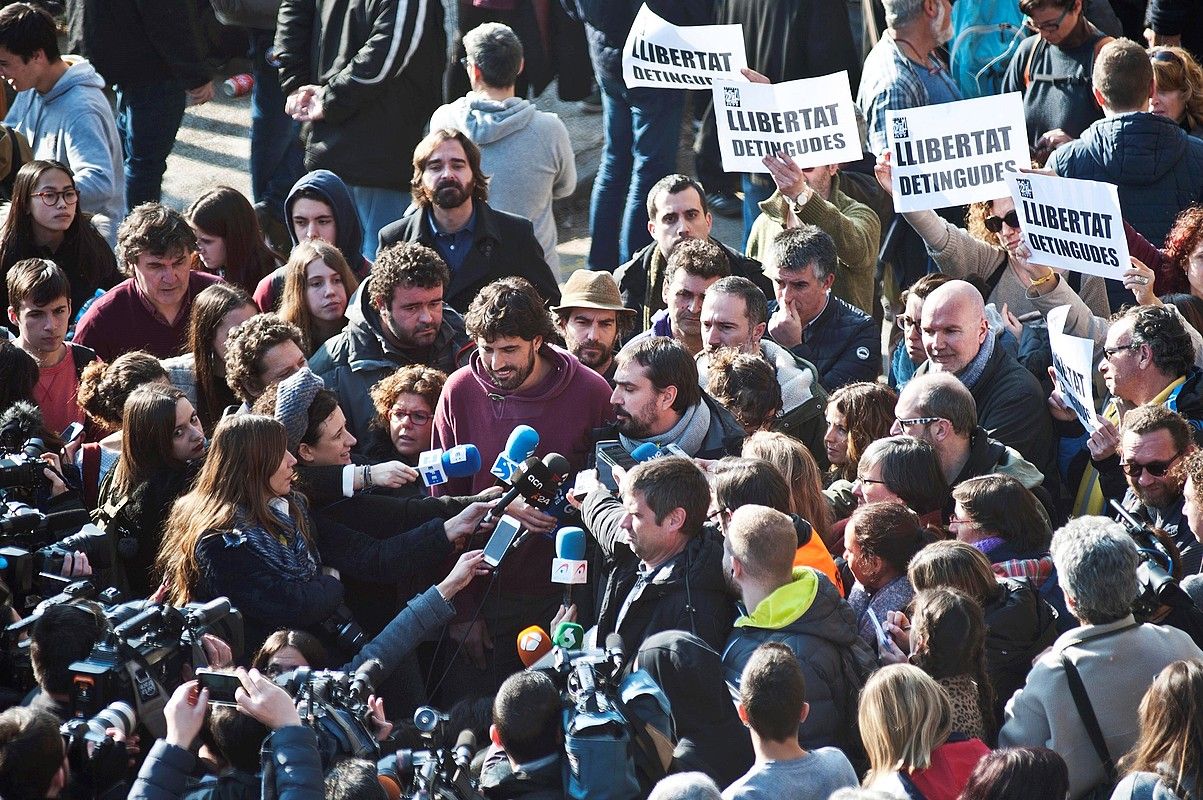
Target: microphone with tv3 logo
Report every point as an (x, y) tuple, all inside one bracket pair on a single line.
[(538, 482), (569, 567), (439, 466), (519, 447)]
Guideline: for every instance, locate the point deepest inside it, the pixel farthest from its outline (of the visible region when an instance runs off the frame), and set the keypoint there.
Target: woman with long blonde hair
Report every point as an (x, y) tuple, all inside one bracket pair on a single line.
[(1168, 756), (318, 284), (905, 723)]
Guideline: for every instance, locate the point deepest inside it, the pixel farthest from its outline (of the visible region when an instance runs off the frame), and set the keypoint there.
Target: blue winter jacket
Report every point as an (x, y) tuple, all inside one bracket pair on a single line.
[(1157, 166)]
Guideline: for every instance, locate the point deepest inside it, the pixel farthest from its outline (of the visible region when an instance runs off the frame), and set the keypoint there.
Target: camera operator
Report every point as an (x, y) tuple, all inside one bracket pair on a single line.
[(160, 450), (1153, 442), (524, 760), (361, 534), (33, 760), (291, 748), (244, 534)]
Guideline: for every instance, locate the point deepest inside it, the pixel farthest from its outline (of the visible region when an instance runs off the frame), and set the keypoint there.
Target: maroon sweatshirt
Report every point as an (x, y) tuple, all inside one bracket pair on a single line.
[(564, 408)]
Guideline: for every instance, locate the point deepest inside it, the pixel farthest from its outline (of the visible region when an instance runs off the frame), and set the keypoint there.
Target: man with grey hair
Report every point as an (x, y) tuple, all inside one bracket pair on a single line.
[(686, 786), (1010, 402), (843, 342), (903, 70), (1109, 661), (525, 151)]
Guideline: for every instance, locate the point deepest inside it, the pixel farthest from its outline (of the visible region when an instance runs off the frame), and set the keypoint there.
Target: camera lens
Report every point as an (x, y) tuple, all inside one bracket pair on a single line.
[(117, 715), (426, 719)]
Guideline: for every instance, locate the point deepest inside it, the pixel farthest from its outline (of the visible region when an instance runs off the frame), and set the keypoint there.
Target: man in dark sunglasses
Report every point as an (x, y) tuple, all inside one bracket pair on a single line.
[(1153, 447)]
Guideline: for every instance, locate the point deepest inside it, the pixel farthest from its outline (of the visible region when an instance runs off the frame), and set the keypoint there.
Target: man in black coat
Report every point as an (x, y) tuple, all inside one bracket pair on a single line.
[(479, 243), (662, 567)]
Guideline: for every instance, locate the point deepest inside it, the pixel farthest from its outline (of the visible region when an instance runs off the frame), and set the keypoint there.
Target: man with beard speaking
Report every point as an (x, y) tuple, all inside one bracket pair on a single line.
[(479, 243)]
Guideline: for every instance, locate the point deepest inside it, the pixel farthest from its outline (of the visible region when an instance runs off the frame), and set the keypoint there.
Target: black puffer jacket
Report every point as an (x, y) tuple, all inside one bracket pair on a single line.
[(1019, 626), (823, 635), (380, 66), (687, 594)]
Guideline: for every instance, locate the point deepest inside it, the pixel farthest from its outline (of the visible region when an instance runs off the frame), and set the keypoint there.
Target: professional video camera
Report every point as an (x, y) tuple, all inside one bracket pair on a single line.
[(34, 545), (335, 705), (140, 659), (21, 450), (437, 771)]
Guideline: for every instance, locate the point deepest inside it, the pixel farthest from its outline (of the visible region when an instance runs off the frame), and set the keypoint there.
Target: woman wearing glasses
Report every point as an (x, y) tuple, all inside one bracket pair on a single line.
[(404, 421), (44, 221)]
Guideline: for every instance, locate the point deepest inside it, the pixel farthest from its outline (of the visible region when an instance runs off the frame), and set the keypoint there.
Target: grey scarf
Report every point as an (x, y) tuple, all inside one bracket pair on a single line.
[(973, 371), (688, 434)]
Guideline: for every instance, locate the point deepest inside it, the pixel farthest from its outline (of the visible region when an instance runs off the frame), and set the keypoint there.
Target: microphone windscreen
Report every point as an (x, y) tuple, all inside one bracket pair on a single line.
[(614, 642), (522, 443), (390, 786), (466, 739), (558, 465), (645, 452), (533, 644), (570, 544), (461, 461), (569, 635)]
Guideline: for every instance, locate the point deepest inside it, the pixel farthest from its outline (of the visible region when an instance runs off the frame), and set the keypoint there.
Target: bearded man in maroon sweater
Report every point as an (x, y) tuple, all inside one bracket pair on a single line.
[(514, 377)]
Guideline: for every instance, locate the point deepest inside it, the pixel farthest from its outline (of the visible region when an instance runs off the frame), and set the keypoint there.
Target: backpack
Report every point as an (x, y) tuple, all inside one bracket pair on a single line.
[(618, 748), (985, 36)]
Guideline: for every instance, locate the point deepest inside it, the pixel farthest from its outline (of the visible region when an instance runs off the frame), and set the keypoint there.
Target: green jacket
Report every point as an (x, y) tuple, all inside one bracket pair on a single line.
[(854, 227)]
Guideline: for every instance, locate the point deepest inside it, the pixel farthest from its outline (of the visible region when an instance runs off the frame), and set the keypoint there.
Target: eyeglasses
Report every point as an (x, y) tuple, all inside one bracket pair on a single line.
[(51, 197), (905, 322), (959, 521), (1157, 469), (1111, 352), (1047, 27), (906, 423), (715, 517), (859, 479), (416, 417), (995, 224)]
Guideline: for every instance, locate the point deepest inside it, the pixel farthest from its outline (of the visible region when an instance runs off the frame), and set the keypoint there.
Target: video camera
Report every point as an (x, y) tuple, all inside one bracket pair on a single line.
[(21, 451), (1159, 570), (335, 706), (34, 545), (141, 657), (436, 771)]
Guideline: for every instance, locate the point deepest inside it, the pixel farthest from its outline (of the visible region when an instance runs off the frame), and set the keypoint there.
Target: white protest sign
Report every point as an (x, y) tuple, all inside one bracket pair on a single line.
[(1073, 364), (1071, 224), (956, 153), (664, 56), (812, 120)]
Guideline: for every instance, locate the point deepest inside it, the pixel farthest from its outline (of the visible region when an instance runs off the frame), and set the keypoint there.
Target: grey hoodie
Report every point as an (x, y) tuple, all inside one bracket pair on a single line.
[(73, 123), (525, 152)]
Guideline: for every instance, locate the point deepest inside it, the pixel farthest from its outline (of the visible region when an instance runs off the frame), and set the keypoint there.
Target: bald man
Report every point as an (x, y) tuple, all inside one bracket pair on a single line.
[(1010, 402), (758, 559)]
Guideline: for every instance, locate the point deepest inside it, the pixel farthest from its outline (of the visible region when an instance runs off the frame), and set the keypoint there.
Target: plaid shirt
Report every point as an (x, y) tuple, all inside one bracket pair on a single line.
[(889, 81)]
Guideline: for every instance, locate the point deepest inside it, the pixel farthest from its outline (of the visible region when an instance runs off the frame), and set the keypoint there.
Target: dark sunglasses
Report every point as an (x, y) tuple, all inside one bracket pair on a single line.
[(1166, 56), (1157, 469), (995, 224)]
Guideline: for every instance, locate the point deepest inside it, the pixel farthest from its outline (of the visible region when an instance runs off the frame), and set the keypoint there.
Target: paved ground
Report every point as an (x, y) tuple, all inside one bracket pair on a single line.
[(213, 148)]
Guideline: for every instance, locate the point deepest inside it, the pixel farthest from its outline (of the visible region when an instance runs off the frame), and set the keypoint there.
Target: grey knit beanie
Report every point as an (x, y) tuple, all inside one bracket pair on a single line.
[(293, 396)]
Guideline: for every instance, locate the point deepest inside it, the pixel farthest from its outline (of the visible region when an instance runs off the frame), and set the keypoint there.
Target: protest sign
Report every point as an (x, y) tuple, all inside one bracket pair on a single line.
[(664, 56), (956, 153), (812, 120), (1071, 224), (1073, 364)]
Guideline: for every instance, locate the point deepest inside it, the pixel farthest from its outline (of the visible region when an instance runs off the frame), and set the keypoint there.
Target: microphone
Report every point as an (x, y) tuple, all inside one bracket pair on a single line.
[(569, 567), (533, 644), (465, 749), (439, 466), (645, 452), (366, 678), (537, 481), (519, 447), (569, 636), (20, 422)]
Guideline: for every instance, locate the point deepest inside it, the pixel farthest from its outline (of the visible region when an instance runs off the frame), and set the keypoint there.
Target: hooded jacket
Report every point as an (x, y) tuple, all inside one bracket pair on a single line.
[(379, 64), (1156, 165), (347, 229), (359, 357), (710, 737), (1019, 626), (688, 593), (73, 123), (809, 616), (525, 152), (502, 245)]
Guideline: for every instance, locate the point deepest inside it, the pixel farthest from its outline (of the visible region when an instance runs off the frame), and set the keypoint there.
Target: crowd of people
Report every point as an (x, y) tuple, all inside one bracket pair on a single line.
[(837, 509)]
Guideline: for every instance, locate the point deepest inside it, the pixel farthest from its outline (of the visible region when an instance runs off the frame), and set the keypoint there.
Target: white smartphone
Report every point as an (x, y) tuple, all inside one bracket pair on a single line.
[(503, 536), (882, 639)]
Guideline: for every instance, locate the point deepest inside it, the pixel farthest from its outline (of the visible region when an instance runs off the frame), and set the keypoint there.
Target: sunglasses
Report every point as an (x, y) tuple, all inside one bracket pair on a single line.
[(995, 224), (1157, 469), (1166, 56)]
